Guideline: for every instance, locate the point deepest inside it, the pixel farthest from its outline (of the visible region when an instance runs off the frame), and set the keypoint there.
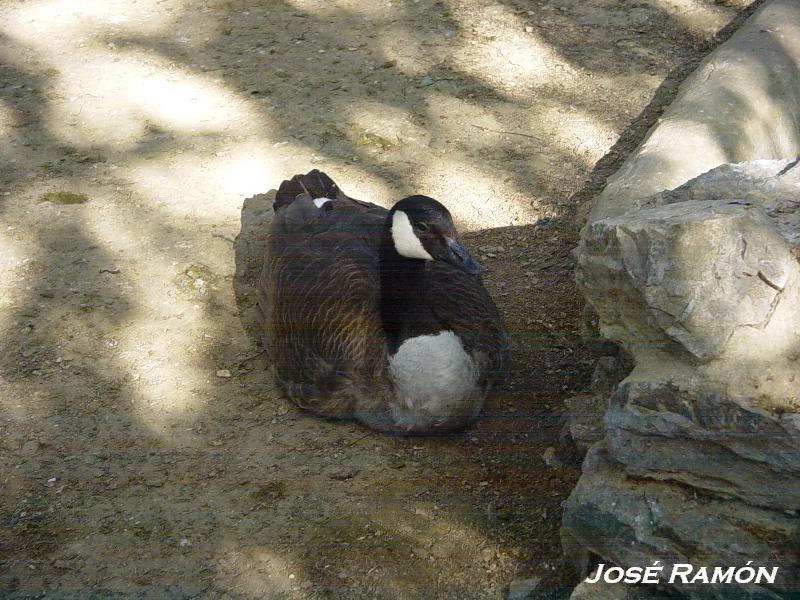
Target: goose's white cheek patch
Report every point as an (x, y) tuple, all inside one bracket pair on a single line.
[(320, 202), (405, 240)]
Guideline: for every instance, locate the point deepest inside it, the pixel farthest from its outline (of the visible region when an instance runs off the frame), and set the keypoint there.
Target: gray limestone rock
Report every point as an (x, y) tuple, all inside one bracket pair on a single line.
[(774, 185), (741, 104), (586, 411), (684, 276), (698, 455), (682, 433), (522, 589)]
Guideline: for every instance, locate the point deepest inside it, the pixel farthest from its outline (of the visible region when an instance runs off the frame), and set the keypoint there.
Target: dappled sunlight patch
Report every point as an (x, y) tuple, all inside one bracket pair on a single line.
[(208, 186), (257, 570), (11, 257), (147, 91), (177, 99), (380, 10), (164, 394), (581, 133), (459, 120), (8, 121), (112, 232), (162, 361), (168, 379), (475, 198), (697, 16), (512, 62), (255, 168), (360, 182), (505, 55), (29, 20), (419, 531), (690, 134), (410, 51), (392, 124), (435, 535)]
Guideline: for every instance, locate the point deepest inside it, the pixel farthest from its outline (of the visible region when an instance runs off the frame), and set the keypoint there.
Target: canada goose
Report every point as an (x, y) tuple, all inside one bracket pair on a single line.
[(373, 314)]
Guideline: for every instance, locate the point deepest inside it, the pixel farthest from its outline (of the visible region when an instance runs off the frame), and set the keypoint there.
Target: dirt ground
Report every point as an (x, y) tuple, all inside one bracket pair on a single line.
[(143, 450)]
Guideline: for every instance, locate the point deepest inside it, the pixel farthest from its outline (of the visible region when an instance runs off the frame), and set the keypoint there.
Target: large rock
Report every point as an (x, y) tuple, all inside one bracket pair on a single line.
[(697, 458), (682, 277), (586, 410), (774, 185), (678, 431)]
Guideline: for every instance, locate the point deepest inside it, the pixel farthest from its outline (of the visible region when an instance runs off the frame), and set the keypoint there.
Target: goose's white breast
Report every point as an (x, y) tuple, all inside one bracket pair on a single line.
[(432, 373)]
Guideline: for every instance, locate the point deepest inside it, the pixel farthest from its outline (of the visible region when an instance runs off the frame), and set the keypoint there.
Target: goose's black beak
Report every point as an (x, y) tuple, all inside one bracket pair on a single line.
[(458, 256)]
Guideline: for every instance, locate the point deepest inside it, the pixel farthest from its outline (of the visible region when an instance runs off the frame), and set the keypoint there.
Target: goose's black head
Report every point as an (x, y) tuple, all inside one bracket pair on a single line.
[(423, 229)]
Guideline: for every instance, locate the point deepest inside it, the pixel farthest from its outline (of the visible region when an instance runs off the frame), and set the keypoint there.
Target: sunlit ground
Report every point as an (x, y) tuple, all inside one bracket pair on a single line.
[(129, 466)]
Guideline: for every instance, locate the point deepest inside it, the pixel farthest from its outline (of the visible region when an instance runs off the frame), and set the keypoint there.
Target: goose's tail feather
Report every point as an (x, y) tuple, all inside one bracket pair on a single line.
[(315, 184)]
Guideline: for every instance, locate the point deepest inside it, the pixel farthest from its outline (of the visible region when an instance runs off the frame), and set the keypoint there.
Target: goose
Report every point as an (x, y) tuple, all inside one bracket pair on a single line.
[(376, 315)]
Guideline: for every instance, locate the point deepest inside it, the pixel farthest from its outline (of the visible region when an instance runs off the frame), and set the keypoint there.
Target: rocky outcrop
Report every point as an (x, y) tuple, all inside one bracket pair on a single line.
[(697, 456), (703, 290), (634, 522)]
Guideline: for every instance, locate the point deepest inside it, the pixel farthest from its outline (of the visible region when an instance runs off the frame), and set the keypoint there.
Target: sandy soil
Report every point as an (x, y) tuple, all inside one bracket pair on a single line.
[(143, 451)]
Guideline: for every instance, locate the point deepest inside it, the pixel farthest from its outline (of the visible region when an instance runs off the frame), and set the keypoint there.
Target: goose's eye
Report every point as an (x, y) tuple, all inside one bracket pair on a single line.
[(422, 227)]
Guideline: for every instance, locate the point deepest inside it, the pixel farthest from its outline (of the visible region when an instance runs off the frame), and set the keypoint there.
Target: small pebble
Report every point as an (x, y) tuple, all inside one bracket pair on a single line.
[(225, 373), (425, 81), (344, 474), (549, 458)]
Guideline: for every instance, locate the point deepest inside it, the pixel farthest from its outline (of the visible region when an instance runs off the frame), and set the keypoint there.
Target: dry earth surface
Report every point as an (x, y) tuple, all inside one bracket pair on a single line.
[(143, 450)]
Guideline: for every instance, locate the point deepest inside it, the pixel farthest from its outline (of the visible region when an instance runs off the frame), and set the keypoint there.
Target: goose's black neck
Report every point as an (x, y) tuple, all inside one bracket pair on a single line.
[(403, 300)]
